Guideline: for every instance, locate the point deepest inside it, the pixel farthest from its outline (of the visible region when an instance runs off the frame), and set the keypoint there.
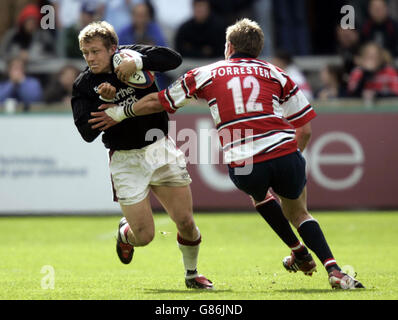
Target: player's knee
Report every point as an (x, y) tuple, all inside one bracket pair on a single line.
[(143, 236), (299, 216), (144, 239), (186, 224)]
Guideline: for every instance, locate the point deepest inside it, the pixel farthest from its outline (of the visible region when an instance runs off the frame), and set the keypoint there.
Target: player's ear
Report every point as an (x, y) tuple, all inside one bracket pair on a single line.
[(113, 49), (229, 49)]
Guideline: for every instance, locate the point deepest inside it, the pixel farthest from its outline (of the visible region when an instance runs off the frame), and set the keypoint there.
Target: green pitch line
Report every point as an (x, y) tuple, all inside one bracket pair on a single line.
[(75, 258)]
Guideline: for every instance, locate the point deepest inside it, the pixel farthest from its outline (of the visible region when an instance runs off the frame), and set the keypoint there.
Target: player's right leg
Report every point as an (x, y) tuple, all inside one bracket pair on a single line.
[(130, 180), (177, 201), (136, 229), (140, 220)]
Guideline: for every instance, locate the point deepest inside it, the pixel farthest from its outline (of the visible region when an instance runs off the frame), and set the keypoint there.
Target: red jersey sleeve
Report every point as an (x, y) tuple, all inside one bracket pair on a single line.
[(295, 106), (183, 89)]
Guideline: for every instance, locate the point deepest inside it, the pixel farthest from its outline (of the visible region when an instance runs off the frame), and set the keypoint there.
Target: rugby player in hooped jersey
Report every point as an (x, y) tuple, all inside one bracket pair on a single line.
[(134, 173), (272, 116)]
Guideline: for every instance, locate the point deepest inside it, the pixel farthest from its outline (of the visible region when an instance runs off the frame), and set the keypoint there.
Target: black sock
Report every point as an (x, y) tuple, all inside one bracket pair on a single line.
[(313, 237), (271, 211)]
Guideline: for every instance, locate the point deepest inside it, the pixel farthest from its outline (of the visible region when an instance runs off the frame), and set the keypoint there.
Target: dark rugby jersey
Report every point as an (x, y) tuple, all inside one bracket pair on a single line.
[(129, 133)]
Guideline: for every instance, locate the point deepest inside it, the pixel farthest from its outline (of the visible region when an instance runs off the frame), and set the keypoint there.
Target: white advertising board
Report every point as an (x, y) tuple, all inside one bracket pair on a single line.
[(46, 167)]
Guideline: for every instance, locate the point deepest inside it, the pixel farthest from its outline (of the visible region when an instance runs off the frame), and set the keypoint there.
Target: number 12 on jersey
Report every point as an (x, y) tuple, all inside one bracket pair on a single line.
[(251, 105)]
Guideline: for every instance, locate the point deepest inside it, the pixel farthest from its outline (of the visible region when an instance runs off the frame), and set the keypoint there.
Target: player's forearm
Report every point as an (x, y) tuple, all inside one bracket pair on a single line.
[(302, 141), (157, 58), (303, 136), (148, 105), (162, 59)]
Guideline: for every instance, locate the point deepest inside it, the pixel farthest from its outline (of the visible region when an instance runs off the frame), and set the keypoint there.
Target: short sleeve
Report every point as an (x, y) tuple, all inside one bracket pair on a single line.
[(183, 89), (296, 107)]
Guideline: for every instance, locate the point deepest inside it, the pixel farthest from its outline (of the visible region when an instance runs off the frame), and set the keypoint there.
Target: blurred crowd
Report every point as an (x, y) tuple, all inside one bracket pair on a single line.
[(196, 29)]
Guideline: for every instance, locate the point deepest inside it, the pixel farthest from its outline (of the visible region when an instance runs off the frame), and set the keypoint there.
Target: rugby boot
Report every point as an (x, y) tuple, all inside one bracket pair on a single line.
[(305, 264), (340, 280), (124, 250), (199, 282)]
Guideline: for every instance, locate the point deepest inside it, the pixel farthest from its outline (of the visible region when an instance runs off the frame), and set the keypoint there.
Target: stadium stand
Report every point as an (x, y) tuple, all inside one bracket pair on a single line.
[(335, 47)]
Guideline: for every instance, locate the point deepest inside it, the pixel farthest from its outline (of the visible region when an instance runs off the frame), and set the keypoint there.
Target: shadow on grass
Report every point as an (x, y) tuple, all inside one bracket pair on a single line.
[(184, 291), (311, 291)]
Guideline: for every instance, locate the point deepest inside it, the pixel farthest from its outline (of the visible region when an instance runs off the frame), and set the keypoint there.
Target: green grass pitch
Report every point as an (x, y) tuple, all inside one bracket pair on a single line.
[(239, 253)]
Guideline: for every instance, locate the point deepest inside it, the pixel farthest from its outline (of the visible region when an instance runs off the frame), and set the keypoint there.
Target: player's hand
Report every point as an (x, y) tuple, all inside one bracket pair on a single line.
[(107, 91), (101, 120), (106, 106), (125, 70)]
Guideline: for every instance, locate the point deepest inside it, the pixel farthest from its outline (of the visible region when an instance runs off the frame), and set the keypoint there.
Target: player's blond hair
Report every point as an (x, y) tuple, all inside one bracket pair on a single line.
[(246, 36), (99, 29)]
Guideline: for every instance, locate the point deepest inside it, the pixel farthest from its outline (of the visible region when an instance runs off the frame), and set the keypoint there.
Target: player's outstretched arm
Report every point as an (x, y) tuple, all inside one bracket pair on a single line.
[(112, 114), (147, 105)]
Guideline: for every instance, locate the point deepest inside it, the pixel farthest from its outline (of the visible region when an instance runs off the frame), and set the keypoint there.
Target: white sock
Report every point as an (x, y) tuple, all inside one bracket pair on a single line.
[(190, 252)]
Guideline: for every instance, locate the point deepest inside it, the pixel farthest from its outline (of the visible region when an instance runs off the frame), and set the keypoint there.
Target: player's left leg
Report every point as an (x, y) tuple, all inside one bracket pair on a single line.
[(300, 259), (312, 235), (177, 201), (289, 183), (256, 184)]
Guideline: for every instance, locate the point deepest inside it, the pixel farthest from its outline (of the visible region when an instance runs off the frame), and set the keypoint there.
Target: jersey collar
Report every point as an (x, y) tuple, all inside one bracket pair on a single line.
[(241, 55)]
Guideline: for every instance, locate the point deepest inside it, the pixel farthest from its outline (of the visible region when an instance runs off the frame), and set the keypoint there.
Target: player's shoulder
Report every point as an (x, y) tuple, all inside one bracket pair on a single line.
[(207, 70), (140, 48), (82, 77), (279, 74), (390, 70), (203, 75)]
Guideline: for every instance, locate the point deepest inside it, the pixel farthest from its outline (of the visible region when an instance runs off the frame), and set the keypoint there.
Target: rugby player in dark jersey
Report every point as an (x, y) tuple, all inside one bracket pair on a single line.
[(139, 163)]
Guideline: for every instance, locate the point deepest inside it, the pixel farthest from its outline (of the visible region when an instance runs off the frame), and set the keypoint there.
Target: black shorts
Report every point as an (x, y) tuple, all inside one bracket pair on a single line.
[(285, 175)]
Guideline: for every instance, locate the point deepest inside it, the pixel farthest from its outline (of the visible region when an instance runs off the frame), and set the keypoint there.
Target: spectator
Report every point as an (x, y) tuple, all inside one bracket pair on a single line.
[(182, 11), (292, 34), (67, 12), (380, 27), (374, 77), (264, 17), (27, 40), (347, 47), (143, 29), (283, 60), (117, 12), (393, 9), (87, 15), (68, 16), (232, 10), (19, 86), (203, 35), (60, 89), (9, 10), (332, 87)]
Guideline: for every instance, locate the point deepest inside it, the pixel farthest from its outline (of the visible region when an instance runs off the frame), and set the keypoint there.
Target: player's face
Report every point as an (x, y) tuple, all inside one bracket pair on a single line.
[(97, 56)]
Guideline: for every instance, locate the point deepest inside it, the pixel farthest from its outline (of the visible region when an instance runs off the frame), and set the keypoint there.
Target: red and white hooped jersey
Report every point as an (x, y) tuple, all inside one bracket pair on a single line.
[(254, 104)]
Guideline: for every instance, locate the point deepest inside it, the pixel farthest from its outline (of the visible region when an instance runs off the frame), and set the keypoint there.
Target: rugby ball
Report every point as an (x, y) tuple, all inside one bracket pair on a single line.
[(141, 79)]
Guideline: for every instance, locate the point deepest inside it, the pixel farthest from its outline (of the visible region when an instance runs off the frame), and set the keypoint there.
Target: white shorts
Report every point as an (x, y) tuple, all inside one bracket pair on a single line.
[(134, 171)]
